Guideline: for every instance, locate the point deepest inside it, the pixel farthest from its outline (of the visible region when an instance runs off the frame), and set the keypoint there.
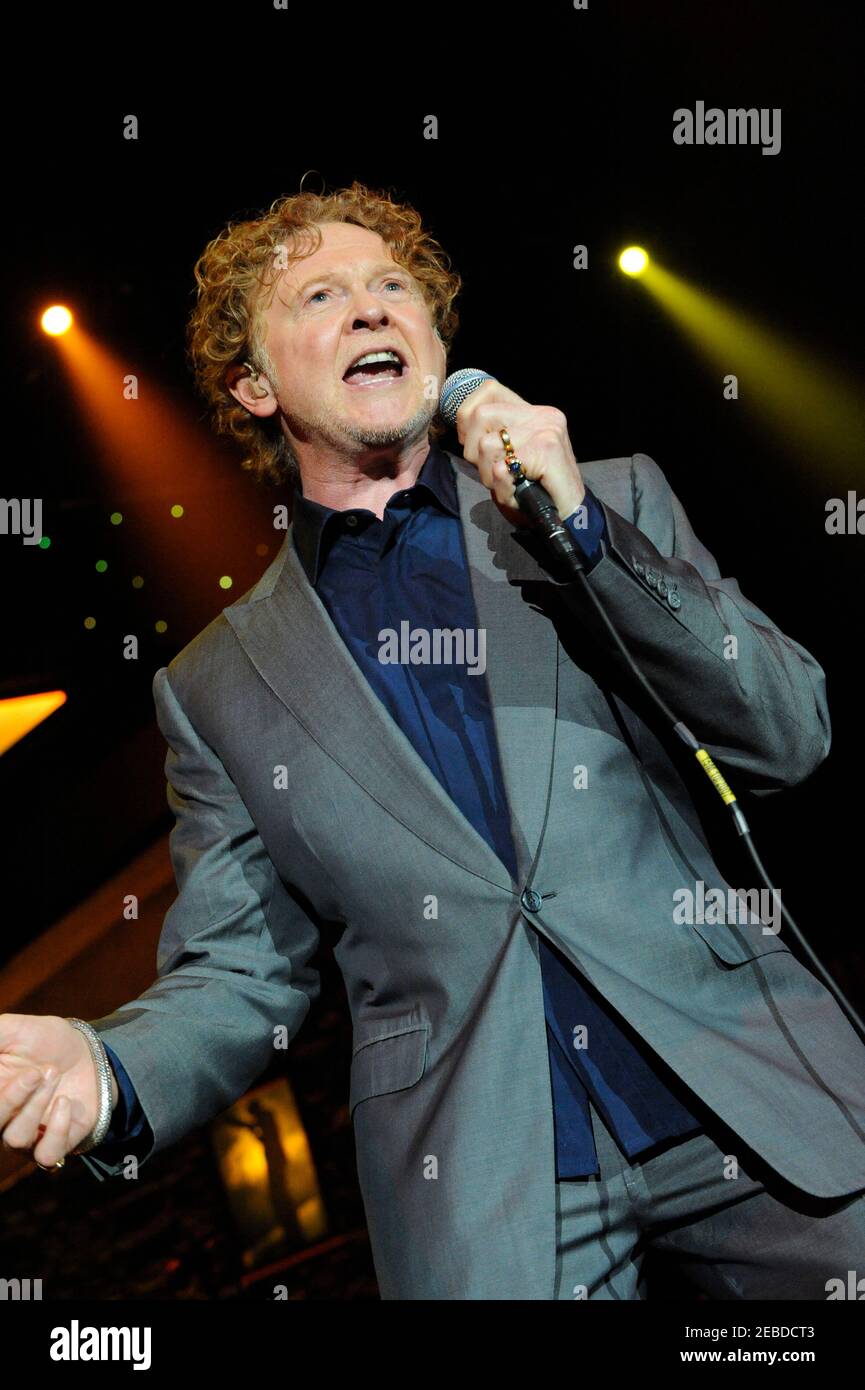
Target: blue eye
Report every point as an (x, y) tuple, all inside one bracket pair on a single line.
[(399, 284)]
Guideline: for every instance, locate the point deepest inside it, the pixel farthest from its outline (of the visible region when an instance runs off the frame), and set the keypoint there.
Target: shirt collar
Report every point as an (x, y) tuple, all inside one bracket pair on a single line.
[(311, 519)]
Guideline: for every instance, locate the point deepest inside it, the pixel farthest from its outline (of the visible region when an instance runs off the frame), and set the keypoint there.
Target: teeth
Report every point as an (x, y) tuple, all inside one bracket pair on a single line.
[(377, 357)]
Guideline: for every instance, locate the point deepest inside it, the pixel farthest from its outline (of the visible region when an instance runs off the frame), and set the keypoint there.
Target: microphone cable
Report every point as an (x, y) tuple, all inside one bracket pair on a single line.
[(535, 502)]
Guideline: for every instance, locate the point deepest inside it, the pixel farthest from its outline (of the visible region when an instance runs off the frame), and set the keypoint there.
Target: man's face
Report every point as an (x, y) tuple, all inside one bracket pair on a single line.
[(350, 298)]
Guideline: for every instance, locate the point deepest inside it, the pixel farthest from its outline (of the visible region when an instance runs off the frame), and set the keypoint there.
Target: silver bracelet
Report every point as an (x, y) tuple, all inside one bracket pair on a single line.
[(103, 1071)]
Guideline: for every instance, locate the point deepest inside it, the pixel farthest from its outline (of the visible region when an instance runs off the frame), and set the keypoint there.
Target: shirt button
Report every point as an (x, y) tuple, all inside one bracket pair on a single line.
[(351, 519), (531, 900)]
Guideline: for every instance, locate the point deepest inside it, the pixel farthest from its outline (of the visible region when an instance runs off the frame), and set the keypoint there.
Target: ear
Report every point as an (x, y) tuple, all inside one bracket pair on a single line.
[(252, 389)]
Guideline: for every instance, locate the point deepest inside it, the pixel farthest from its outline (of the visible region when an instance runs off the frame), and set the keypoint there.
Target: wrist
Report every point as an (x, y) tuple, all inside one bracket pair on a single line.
[(106, 1086), (571, 502)]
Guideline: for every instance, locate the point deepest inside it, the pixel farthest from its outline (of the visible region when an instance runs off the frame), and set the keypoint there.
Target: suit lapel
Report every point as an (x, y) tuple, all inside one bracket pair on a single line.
[(522, 655), (291, 640)]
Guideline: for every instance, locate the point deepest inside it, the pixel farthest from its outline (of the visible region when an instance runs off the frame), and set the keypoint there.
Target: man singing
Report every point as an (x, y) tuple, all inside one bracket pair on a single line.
[(554, 1072)]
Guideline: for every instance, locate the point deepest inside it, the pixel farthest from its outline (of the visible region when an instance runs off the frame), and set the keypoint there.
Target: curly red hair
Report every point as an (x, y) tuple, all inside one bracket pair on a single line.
[(236, 275)]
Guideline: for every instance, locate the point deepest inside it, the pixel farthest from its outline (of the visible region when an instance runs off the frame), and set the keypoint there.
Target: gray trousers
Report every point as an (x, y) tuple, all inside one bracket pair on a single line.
[(749, 1236)]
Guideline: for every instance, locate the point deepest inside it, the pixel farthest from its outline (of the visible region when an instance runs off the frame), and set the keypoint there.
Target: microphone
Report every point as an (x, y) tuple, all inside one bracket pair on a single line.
[(531, 498)]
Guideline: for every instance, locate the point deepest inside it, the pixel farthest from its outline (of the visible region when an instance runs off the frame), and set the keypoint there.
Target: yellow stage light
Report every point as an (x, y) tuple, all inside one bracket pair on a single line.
[(21, 713), (816, 407), (633, 260), (56, 320)]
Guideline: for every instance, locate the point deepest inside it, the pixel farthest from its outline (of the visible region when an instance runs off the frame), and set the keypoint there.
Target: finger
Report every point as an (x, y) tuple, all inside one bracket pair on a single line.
[(489, 452), (21, 1130), (503, 483), (15, 1092), (502, 410), (483, 437), (489, 390), (56, 1142), (489, 396), (490, 459), (493, 468)]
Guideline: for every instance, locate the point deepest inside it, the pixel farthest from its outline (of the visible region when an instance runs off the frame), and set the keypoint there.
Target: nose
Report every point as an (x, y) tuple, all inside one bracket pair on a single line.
[(370, 313), (369, 308)]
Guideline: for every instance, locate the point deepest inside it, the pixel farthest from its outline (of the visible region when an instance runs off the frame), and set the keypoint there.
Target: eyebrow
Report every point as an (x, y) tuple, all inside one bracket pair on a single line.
[(392, 267)]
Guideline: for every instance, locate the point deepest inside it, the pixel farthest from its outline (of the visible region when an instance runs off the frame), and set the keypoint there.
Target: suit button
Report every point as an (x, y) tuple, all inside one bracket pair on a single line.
[(651, 577), (662, 588), (531, 900), (638, 568), (673, 599)]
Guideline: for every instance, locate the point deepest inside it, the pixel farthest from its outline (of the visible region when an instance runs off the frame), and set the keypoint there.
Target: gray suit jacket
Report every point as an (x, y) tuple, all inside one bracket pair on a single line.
[(449, 1089)]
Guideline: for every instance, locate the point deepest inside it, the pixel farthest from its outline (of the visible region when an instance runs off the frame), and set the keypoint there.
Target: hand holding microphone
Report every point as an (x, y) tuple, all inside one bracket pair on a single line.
[(480, 407)]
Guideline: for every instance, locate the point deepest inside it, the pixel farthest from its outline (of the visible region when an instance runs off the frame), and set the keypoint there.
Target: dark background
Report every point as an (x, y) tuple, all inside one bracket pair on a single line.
[(555, 128)]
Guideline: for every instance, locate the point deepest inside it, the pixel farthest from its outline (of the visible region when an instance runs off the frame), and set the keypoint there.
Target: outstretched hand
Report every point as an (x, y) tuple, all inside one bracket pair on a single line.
[(49, 1090)]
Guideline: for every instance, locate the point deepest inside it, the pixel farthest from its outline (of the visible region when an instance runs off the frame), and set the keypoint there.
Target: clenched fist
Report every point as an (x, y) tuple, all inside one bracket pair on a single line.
[(539, 434), (49, 1089)]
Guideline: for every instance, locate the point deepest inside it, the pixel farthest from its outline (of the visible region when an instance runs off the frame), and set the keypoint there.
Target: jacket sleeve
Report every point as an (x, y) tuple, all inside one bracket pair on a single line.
[(758, 702), (129, 1132), (233, 961)]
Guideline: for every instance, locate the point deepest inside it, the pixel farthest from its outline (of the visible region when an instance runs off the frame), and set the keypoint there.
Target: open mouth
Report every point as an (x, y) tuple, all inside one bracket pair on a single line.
[(378, 368)]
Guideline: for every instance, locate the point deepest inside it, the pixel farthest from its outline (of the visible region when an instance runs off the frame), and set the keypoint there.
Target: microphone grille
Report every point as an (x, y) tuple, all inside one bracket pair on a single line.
[(459, 385)]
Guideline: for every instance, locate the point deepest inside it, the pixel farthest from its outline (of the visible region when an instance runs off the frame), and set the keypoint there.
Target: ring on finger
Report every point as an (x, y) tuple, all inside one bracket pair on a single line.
[(511, 460)]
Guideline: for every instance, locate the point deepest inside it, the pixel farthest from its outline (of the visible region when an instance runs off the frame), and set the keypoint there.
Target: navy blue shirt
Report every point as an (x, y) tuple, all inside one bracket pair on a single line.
[(411, 566)]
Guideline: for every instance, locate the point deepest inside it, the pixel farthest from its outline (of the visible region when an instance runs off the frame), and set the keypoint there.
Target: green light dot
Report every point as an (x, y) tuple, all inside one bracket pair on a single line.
[(102, 566), (116, 518), (45, 541), (226, 581), (137, 582), (161, 625), (177, 510), (89, 622)]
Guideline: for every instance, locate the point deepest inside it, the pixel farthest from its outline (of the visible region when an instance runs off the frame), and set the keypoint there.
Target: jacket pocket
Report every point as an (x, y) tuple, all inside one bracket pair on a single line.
[(736, 943), (389, 1054)]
